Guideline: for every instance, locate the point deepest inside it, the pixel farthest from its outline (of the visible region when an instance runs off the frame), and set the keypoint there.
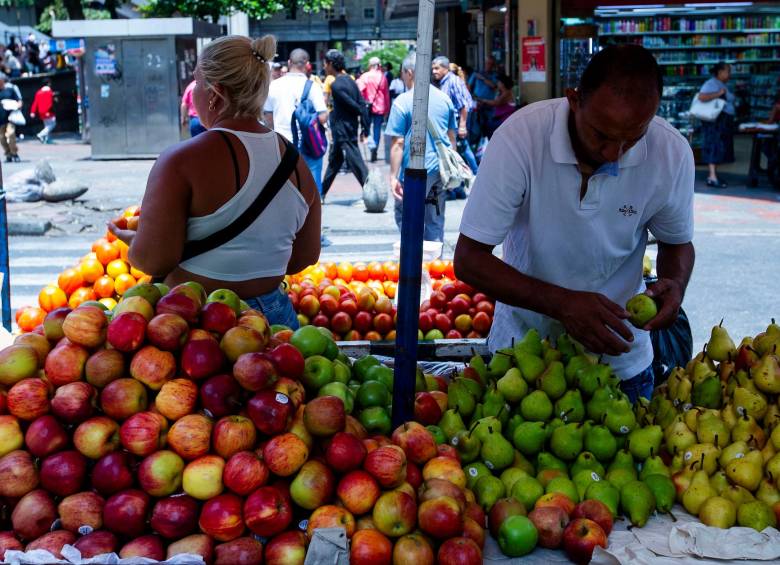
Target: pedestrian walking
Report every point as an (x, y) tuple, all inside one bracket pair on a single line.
[(441, 114), (33, 54), (189, 113), (374, 88), (9, 101), (718, 137), (348, 110), (483, 84), (43, 108), (502, 106)]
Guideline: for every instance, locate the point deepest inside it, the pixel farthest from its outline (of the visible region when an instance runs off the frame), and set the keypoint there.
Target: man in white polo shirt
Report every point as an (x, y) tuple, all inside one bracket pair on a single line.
[(570, 187)]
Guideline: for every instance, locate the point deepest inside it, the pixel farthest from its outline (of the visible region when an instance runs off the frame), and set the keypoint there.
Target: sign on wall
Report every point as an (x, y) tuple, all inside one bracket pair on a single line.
[(533, 59)]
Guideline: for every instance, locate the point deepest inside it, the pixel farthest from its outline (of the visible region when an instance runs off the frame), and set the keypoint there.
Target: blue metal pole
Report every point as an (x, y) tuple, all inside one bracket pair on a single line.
[(4, 268), (412, 224)]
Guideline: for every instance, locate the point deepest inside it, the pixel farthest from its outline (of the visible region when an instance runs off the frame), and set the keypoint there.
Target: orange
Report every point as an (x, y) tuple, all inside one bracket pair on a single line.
[(80, 296), (30, 318), (390, 288), (123, 249), (449, 270), (331, 270), (137, 273), (345, 271), (117, 267), (123, 282), (131, 211), (146, 279), (91, 269), (391, 270), (317, 274), (52, 297), (375, 271), (360, 272), (69, 280), (110, 237), (106, 252), (98, 242), (104, 287), (436, 268), (109, 303)]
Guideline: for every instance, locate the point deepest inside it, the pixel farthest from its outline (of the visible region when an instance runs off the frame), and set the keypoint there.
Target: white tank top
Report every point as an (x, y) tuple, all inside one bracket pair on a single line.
[(264, 248)]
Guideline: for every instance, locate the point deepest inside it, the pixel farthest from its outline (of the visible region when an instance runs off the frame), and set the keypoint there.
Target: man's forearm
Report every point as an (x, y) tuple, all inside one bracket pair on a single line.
[(464, 116), (396, 156), (675, 262)]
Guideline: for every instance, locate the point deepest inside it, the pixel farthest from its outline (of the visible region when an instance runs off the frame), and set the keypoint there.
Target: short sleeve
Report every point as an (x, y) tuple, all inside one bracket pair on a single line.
[(452, 121), (270, 101), (710, 87), (673, 223), (500, 189), (316, 97), (397, 122)]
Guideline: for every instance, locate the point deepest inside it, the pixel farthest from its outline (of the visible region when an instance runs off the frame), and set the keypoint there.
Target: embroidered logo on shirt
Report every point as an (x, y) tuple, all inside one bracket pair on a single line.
[(627, 210)]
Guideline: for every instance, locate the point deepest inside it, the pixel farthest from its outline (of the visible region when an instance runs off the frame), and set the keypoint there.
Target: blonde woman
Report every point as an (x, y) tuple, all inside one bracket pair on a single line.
[(208, 187)]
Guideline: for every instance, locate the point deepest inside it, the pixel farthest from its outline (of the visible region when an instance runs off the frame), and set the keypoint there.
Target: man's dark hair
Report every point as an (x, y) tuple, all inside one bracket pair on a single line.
[(717, 67), (389, 66), (299, 58), (336, 58), (630, 69)]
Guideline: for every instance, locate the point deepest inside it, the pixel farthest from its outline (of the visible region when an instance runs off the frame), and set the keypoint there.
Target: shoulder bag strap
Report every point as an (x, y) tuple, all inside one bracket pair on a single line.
[(233, 157), (437, 138), (283, 171)]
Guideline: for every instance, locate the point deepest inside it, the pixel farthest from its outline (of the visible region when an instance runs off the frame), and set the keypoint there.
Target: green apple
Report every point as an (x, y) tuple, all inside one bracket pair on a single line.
[(94, 303), (642, 309), (437, 434), (381, 373), (373, 393), (341, 372), (309, 341), (339, 390), (376, 420), (317, 372), (362, 365), (517, 536), (198, 288), (276, 328), (331, 350), (244, 306), (145, 290), (163, 288), (228, 297), (433, 334)]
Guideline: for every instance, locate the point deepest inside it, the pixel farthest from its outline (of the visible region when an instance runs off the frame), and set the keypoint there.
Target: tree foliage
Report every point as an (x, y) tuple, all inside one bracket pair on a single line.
[(391, 52), (65, 10), (213, 9)]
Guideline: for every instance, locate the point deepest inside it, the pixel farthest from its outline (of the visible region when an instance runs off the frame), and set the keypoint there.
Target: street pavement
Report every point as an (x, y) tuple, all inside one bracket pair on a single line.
[(737, 234)]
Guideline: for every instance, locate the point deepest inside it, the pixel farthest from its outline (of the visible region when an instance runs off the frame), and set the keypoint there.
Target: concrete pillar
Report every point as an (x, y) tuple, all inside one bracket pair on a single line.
[(238, 24), (542, 12)]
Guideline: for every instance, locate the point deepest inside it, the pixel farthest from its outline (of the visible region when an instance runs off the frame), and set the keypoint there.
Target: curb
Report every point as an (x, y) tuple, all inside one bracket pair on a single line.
[(28, 227)]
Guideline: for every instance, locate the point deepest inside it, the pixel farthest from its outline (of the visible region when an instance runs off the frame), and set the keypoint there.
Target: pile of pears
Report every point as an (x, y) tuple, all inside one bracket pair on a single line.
[(720, 417), (540, 419)]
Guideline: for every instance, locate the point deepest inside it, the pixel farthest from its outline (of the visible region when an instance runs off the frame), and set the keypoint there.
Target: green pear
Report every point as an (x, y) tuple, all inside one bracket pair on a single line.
[(697, 492), (477, 415), (510, 476), (552, 381), (719, 482), (654, 465), (512, 424), (467, 445), (665, 413), (566, 441), (679, 437), (707, 393), (637, 501), (546, 460), (711, 429), (746, 429), (663, 491), (753, 403), (701, 456), (642, 308), (623, 460), (766, 375), (520, 462), (691, 418), (620, 418), (768, 341), (745, 472), (488, 490), (569, 407), (592, 377), (527, 490), (621, 476), (569, 347), (497, 453), (529, 437), (564, 485), (772, 466), (718, 512), (767, 491), (480, 427), (531, 343), (757, 515), (738, 495), (583, 479), (460, 397), (536, 407), (605, 492), (600, 441), (586, 461), (732, 451), (551, 355), (573, 365), (512, 385), (451, 423), (493, 402), (720, 346), (499, 364), (478, 364), (475, 471), (644, 442), (530, 365)]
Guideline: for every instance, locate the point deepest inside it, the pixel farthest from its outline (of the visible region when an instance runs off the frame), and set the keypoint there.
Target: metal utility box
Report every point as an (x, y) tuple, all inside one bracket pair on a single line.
[(135, 72)]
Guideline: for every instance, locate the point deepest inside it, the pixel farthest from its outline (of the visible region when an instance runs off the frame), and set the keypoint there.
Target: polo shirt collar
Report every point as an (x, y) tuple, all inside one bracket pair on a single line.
[(562, 150)]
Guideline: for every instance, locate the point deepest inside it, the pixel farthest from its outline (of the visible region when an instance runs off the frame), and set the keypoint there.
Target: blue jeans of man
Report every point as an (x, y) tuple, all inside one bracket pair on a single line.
[(276, 306), (315, 166), (434, 211), (376, 130), (468, 155), (640, 385)]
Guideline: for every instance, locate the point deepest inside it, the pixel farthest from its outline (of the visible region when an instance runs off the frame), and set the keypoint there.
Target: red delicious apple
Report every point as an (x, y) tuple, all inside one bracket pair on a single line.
[(341, 323), (581, 537), (112, 473), (125, 512), (501, 510), (220, 395), (190, 436), (149, 546), (86, 326), (44, 436), (53, 542), (387, 464), (459, 551), (481, 323), (550, 522), (104, 366), (442, 323), (594, 510), (96, 543), (267, 512), (144, 433), (417, 442), (345, 452), (413, 475), (160, 474), (270, 411), (152, 366), (18, 474), (287, 548), (201, 358), (436, 488), (288, 360), (29, 399), (285, 454), (370, 547), (363, 322), (441, 518), (426, 409), (233, 434), (217, 317), (245, 472), (181, 304), (255, 371), (127, 331), (81, 509), (556, 499), (291, 388), (122, 398), (33, 515), (175, 516), (177, 398), (74, 402), (167, 331), (221, 517), (241, 551), (63, 473)]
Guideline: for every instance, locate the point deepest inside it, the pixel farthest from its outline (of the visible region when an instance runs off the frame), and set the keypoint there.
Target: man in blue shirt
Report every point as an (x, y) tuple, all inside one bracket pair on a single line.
[(483, 86), (441, 114)]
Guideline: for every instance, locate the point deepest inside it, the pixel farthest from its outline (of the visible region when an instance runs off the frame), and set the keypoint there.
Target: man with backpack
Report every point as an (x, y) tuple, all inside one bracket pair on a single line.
[(295, 108)]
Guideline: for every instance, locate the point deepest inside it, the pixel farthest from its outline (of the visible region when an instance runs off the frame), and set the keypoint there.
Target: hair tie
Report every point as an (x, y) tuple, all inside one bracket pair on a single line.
[(258, 56)]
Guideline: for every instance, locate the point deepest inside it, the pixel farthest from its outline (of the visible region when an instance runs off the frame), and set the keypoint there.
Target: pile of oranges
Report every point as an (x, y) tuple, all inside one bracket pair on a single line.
[(103, 275)]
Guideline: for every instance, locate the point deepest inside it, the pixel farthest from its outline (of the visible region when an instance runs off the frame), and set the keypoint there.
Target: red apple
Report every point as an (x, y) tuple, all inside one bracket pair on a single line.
[(387, 464), (413, 475), (175, 516), (254, 371), (459, 551), (267, 512), (352, 335), (345, 452), (426, 409), (152, 366), (438, 300), (144, 433), (473, 531), (556, 499), (581, 537), (341, 323), (436, 488), (112, 473), (86, 326), (81, 509), (383, 323), (220, 395), (148, 546), (202, 478), (370, 547), (501, 510), (53, 542), (18, 474), (287, 360), (328, 305), (96, 543), (29, 399), (330, 516), (125, 512), (270, 411), (52, 323), (441, 517), (160, 474), (445, 468), (127, 331), (324, 416), (74, 402), (33, 515), (287, 548), (363, 322), (240, 551), (550, 522), (190, 436), (63, 473), (594, 510), (104, 366), (201, 358), (167, 331), (425, 322), (309, 305), (221, 517), (481, 323), (417, 442), (179, 304), (413, 548), (442, 323), (358, 491), (485, 306), (122, 398), (233, 434), (313, 486), (292, 389), (178, 397), (446, 450), (245, 472), (395, 513), (44, 436), (349, 307), (217, 317), (285, 454)]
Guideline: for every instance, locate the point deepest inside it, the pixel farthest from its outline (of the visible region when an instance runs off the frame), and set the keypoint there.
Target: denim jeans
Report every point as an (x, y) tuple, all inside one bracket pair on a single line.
[(468, 155), (315, 166), (195, 126), (640, 385), (276, 306), (434, 223), (376, 130)]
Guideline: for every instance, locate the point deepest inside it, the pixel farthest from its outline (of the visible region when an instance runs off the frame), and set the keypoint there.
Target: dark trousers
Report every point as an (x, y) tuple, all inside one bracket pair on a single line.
[(339, 150)]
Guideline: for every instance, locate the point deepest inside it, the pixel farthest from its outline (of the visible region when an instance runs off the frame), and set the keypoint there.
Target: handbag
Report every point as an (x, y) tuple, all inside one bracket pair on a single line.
[(453, 170), (706, 111), (17, 118)]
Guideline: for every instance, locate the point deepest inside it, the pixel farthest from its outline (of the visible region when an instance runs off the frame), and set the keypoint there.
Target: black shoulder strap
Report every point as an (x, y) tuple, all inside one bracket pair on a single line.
[(233, 157), (283, 171)]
